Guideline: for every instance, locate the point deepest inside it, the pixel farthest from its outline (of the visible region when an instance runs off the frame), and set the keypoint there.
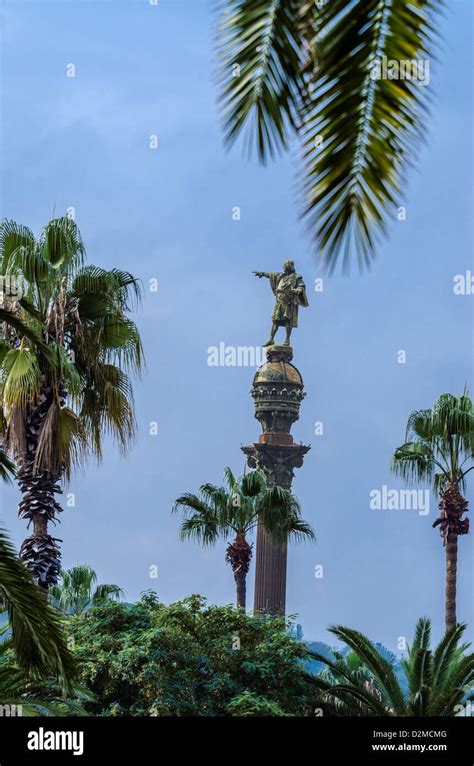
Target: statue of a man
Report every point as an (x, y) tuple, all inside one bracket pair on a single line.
[(290, 292)]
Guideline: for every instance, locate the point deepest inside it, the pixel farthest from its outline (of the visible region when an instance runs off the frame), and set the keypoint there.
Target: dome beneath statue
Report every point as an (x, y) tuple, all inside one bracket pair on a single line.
[(277, 372)]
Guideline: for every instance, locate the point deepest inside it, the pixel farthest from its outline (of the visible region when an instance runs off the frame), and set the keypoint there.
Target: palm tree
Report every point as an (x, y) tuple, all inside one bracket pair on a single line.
[(437, 681), (439, 447), (66, 348), (313, 68), (78, 592), (237, 509)]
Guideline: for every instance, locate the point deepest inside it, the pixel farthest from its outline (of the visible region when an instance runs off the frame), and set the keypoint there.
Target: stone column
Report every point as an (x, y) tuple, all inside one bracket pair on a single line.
[(277, 392)]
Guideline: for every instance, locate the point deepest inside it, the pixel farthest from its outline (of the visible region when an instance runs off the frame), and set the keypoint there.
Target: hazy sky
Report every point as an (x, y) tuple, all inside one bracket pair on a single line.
[(83, 141)]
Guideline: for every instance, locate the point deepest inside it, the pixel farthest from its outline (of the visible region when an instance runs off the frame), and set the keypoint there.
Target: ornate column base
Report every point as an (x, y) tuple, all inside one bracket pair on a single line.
[(278, 461)]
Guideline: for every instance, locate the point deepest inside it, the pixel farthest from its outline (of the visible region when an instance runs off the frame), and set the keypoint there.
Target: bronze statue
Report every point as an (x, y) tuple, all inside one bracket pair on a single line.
[(290, 292)]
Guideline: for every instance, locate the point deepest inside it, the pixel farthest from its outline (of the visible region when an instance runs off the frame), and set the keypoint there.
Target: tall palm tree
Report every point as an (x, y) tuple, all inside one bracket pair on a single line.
[(67, 345), (439, 447), (437, 681), (237, 509), (314, 68), (77, 591)]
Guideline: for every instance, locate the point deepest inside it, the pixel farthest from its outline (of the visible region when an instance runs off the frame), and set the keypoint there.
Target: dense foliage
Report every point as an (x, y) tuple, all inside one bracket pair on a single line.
[(438, 682), (188, 658)]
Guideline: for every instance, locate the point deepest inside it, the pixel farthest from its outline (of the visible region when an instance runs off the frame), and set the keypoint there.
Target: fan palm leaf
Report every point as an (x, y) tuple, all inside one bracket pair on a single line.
[(77, 591), (238, 508)]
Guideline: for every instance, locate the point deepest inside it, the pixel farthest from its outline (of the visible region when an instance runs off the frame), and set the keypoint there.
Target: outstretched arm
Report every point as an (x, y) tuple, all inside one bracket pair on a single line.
[(260, 274)]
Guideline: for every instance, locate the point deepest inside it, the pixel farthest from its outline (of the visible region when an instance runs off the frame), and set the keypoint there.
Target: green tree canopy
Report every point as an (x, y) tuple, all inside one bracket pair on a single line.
[(187, 658)]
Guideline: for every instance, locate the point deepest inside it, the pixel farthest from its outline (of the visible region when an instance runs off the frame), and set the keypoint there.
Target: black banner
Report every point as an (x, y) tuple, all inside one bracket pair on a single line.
[(365, 740)]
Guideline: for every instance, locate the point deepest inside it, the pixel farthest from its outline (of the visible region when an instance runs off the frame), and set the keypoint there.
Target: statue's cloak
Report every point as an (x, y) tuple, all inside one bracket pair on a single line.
[(287, 302)]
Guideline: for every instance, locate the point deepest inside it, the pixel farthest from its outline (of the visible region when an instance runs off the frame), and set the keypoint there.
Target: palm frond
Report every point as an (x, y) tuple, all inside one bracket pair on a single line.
[(76, 592), (7, 467), (378, 665), (254, 483), (287, 64), (203, 522), (29, 264), (112, 289), (105, 405), (61, 245), (13, 236), (262, 53), (419, 426), (37, 636), (62, 442), (445, 653), (440, 441), (121, 343), (24, 330), (106, 591), (413, 461), (363, 128), (279, 512), (21, 377)]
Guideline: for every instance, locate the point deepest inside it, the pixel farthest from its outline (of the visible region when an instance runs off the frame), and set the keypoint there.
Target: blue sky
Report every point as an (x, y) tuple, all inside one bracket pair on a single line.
[(83, 141)]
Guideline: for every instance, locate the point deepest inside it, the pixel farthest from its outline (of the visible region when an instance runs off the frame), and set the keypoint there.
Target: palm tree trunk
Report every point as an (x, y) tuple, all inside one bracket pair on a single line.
[(452, 524), (238, 555), (241, 583), (451, 573), (40, 552)]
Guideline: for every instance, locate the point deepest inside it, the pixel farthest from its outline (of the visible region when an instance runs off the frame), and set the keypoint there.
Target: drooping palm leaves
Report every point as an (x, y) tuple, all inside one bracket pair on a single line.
[(237, 509), (7, 467), (439, 448), (37, 638), (77, 590), (319, 68), (23, 695), (438, 681), (67, 346)]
